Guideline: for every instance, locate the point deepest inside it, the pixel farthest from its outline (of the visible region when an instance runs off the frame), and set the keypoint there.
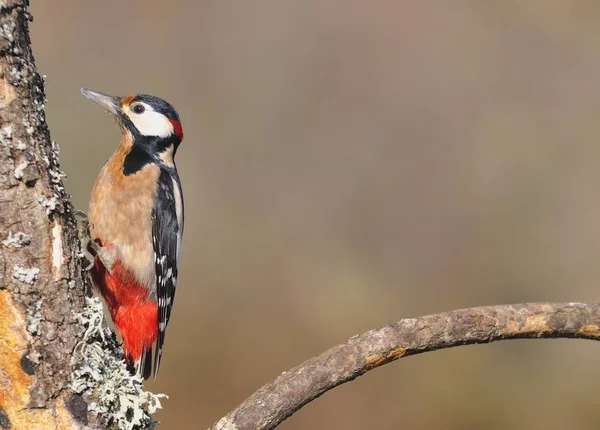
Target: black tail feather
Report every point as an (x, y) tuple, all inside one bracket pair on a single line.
[(144, 366), (147, 362)]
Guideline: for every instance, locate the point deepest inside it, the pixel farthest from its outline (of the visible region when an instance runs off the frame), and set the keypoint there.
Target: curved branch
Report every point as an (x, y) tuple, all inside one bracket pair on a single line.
[(277, 400)]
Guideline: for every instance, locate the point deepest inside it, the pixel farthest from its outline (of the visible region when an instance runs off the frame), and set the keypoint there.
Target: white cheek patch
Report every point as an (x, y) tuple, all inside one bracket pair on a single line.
[(167, 156), (150, 122)]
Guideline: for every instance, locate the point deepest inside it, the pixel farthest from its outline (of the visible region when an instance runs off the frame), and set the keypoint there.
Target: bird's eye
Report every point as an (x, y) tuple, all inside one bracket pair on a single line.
[(139, 108)]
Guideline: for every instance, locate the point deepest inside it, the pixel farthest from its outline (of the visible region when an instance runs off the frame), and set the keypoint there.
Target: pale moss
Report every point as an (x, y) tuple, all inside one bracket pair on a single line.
[(100, 373), (26, 275), (16, 240), (48, 203), (34, 318)]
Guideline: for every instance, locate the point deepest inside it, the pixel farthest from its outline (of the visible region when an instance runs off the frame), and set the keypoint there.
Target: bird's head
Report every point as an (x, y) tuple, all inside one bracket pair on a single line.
[(151, 121)]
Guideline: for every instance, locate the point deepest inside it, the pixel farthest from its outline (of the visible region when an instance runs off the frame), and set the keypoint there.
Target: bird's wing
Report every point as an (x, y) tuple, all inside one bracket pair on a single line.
[(167, 228)]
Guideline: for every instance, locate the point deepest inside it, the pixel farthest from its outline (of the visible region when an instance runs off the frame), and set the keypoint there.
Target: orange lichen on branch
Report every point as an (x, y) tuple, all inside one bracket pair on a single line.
[(15, 381), (590, 330), (375, 360), (536, 323), (510, 328)]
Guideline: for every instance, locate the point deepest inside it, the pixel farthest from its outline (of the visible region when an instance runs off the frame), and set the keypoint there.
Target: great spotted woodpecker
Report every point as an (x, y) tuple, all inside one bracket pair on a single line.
[(136, 224)]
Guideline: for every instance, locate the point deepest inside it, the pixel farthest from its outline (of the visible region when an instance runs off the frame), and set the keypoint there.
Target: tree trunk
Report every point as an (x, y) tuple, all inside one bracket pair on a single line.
[(60, 367)]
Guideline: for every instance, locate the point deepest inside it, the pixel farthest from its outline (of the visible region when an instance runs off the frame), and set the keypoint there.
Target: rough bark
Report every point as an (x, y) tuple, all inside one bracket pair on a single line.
[(38, 274), (58, 361), (277, 400)]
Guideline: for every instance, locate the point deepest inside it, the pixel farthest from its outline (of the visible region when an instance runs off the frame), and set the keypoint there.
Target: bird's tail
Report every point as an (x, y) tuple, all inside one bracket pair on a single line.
[(143, 366)]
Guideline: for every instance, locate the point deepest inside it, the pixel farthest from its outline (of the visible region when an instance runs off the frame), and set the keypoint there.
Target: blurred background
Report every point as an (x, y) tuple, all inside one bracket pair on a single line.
[(348, 164)]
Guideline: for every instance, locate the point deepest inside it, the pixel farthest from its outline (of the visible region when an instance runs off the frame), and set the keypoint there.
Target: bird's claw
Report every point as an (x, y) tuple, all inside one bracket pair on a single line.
[(81, 214), (89, 258), (83, 231)]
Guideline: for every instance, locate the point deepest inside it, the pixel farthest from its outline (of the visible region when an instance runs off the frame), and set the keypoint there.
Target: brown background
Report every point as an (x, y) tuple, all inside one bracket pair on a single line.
[(350, 163)]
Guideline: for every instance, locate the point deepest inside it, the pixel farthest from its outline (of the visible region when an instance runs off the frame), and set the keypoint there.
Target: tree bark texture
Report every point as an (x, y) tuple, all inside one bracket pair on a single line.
[(38, 274), (277, 400)]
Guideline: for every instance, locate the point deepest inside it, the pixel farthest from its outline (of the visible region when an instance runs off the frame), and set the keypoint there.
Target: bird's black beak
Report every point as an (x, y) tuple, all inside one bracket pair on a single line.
[(111, 103)]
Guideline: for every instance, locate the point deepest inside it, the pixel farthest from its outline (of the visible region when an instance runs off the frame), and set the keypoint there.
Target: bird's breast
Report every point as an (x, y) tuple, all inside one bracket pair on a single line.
[(120, 216)]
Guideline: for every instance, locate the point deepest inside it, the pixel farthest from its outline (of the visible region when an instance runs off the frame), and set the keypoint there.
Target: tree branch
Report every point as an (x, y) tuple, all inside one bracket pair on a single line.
[(277, 400)]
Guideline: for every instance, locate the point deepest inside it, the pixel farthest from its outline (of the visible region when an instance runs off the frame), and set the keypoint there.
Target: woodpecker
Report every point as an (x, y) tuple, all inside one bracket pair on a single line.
[(136, 224)]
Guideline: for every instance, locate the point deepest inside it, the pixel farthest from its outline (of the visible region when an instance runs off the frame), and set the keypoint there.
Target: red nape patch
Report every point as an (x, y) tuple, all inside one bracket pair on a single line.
[(177, 128), (135, 315)]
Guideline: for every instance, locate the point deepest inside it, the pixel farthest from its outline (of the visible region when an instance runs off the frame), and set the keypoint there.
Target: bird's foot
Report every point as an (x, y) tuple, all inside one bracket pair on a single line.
[(83, 231), (92, 249)]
